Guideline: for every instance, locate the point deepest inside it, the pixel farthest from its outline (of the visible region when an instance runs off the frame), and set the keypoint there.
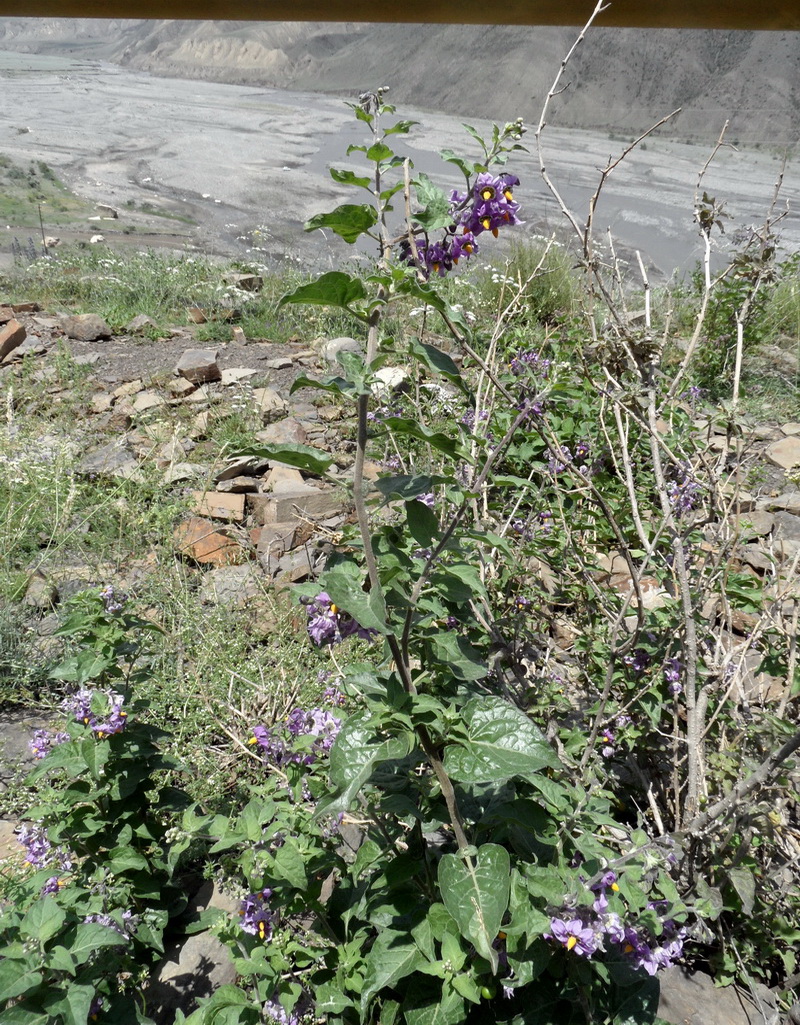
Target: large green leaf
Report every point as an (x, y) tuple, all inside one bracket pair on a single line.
[(332, 289), (71, 1004), (389, 960), (407, 486), (456, 652), (423, 523), (438, 362), (501, 742), (344, 583), (358, 750), (475, 891), (290, 865), (17, 978), (350, 178), (43, 920), (91, 935), (348, 221), (303, 457), (441, 442)]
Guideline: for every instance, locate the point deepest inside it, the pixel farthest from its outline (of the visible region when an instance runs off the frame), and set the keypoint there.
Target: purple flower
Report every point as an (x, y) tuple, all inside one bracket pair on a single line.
[(256, 917), (334, 697), (274, 1012), (117, 717), (39, 851), (79, 705), (574, 934), (272, 744), (683, 491), (328, 624), (126, 929), (428, 499), (672, 674), (113, 601), (638, 660), (44, 741), (53, 885)]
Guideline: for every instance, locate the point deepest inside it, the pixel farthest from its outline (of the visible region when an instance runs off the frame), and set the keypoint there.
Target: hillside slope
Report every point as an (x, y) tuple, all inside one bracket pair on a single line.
[(621, 80)]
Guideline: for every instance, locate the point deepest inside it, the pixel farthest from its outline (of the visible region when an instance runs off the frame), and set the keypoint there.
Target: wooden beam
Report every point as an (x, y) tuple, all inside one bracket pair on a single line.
[(718, 14)]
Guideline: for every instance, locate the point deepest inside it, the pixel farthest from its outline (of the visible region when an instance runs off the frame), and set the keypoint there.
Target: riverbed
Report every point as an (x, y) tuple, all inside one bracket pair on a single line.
[(230, 160)]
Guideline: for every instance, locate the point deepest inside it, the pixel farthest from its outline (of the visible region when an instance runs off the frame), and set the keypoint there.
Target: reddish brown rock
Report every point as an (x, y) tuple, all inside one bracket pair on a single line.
[(12, 335), (199, 539)]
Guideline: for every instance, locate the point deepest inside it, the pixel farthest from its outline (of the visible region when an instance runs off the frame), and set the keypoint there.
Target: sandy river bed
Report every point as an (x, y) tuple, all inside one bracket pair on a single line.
[(234, 158)]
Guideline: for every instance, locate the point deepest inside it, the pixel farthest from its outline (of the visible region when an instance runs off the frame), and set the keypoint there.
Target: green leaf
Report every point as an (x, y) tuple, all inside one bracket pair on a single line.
[(329, 999), (124, 859), (436, 212), (459, 582), (71, 1004), (389, 960), (502, 742), (349, 221), (17, 978), (451, 158), (379, 151), (442, 1007), (423, 523), (412, 428), (332, 289), (357, 751), (745, 886), (337, 385), (463, 661), (289, 864), (303, 457), (475, 891), (350, 178), (18, 1015), (409, 486), (437, 362), (710, 903), (43, 920), (344, 583), (401, 127), (91, 935)]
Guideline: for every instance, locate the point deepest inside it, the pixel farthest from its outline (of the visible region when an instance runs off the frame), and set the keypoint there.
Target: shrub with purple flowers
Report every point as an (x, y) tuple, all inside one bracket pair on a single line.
[(90, 915)]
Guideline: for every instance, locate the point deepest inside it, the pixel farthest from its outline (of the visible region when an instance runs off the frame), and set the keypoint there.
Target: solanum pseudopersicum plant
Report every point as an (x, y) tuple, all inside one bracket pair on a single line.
[(417, 851)]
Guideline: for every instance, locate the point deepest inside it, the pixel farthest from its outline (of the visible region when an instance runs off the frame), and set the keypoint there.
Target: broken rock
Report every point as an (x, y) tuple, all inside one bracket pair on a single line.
[(12, 335), (86, 327), (219, 506), (200, 540), (199, 366)]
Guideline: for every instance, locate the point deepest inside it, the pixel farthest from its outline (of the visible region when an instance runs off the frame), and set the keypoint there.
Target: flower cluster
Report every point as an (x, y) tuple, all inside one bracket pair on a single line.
[(126, 929), (488, 206), (256, 917), (589, 931), (39, 852), (79, 705), (530, 362), (43, 742), (279, 743), (327, 624), (114, 601), (672, 675), (683, 491)]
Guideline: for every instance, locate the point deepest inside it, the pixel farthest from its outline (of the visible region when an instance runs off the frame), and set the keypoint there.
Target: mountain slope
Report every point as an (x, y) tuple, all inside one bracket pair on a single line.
[(620, 80)]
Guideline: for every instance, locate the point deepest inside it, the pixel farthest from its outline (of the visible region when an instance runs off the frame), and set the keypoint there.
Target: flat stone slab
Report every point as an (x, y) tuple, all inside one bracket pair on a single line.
[(784, 453)]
